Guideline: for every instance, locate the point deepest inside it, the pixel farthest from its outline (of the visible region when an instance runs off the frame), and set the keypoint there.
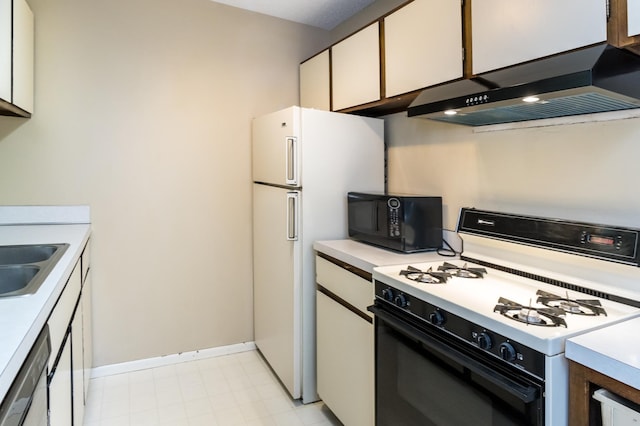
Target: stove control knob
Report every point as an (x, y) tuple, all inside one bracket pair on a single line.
[(401, 301), (507, 351), (387, 294), (484, 341), (436, 318)]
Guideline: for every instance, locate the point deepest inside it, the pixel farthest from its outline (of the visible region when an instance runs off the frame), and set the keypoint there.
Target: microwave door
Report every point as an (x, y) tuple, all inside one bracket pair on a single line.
[(381, 218)]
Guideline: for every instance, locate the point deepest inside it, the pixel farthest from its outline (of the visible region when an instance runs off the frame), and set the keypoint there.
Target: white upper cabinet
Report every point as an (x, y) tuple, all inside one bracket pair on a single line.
[(16, 55), (315, 82), (23, 55), (355, 68), (633, 17), (507, 32), (5, 50), (423, 45)]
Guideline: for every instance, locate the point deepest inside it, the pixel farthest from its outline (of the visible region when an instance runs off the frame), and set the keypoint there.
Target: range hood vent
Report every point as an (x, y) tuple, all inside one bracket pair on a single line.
[(599, 78)]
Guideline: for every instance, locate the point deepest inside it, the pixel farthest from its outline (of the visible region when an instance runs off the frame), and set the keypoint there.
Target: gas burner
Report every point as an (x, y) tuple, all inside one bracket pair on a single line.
[(578, 307), (462, 271), (544, 317), (427, 277)]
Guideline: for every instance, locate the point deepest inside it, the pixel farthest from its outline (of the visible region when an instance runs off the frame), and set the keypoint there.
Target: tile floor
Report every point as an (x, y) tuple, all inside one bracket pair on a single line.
[(237, 389)]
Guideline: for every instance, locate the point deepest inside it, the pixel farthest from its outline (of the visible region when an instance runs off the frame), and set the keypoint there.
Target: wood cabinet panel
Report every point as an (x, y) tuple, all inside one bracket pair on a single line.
[(422, 45), (355, 68), (583, 381)]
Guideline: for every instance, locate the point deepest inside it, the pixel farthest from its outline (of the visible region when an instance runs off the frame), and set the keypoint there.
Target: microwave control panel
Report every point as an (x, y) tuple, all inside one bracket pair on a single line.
[(393, 205)]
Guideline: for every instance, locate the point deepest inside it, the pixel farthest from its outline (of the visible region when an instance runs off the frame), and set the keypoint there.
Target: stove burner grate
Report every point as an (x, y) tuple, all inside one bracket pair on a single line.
[(462, 271), (543, 317), (577, 307), (426, 277)]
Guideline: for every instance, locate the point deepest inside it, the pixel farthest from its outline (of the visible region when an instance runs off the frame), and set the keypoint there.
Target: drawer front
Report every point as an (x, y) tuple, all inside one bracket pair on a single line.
[(62, 312), (351, 288)]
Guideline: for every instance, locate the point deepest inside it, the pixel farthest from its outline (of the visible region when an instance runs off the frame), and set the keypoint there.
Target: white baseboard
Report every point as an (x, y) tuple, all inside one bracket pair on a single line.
[(143, 364)]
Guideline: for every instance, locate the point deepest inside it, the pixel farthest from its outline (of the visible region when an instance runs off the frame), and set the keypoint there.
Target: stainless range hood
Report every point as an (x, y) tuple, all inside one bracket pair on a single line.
[(598, 78)]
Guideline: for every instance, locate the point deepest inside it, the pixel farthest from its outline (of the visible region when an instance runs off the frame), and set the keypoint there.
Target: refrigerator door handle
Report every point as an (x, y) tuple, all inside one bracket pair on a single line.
[(292, 216), (292, 161)]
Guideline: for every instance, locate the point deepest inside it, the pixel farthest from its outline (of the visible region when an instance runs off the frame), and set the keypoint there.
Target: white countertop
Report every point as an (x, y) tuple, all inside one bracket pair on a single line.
[(22, 318), (613, 351), (367, 257)]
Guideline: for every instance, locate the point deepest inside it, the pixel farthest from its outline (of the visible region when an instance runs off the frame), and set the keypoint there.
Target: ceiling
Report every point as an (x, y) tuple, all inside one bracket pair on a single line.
[(324, 14)]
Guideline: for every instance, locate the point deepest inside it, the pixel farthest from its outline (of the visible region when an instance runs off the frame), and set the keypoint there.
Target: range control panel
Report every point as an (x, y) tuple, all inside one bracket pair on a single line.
[(503, 348)]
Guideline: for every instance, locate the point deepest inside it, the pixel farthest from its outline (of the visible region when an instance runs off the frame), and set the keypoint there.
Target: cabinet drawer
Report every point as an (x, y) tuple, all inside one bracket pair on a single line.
[(62, 312), (351, 288)]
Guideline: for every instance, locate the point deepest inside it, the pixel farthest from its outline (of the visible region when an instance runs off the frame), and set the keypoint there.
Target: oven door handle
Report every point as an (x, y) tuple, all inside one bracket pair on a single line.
[(525, 393)]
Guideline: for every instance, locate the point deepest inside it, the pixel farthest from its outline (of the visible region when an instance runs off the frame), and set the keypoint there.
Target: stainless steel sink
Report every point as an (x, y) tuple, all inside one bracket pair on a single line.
[(24, 268)]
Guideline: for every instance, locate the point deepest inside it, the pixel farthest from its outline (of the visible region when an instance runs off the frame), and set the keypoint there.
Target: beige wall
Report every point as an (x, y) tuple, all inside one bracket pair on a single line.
[(143, 111), (583, 171)]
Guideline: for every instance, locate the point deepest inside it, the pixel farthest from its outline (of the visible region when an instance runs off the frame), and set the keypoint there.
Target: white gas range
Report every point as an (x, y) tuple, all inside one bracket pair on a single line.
[(495, 321)]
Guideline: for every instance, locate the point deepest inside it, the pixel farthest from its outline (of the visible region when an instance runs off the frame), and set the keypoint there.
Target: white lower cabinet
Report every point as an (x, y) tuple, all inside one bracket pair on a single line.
[(87, 335), (60, 394), (345, 342), (69, 364), (77, 366)]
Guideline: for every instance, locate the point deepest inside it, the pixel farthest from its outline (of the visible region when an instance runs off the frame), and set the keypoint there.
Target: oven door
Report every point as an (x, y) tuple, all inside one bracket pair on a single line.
[(426, 377)]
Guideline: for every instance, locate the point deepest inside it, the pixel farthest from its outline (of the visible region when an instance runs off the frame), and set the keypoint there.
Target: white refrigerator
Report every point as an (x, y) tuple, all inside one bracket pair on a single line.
[(304, 163)]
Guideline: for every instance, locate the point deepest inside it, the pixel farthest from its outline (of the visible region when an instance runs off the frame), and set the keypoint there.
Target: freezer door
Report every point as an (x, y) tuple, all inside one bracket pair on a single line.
[(277, 283), (276, 148)]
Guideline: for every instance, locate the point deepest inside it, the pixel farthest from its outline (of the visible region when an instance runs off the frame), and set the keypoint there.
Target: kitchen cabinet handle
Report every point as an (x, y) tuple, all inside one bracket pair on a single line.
[(292, 216), (292, 161)]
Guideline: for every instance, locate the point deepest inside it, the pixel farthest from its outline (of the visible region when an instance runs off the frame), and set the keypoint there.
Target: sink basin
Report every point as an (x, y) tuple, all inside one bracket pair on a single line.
[(24, 268), (16, 278), (18, 255)]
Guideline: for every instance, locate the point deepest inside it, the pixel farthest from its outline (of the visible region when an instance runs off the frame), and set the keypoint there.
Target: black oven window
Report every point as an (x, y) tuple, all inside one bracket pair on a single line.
[(417, 387)]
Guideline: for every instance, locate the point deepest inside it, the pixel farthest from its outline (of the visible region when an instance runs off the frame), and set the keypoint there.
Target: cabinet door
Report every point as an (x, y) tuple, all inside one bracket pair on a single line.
[(77, 365), (62, 312), (422, 45), (507, 32), (23, 53), (633, 18), (87, 335), (60, 413), (355, 68), (314, 82), (345, 362), (5, 50)]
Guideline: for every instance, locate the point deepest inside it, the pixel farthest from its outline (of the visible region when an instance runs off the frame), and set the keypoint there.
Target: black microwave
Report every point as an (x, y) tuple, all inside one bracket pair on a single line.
[(398, 222)]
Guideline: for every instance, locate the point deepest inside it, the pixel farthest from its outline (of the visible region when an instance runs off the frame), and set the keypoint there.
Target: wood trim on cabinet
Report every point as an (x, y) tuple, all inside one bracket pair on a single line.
[(344, 303), (617, 27), (383, 67), (330, 79), (354, 270), (583, 381), (467, 60)]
